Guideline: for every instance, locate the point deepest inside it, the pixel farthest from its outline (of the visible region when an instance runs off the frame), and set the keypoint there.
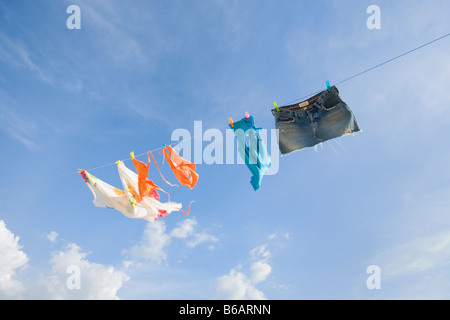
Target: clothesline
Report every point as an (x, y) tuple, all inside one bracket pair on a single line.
[(374, 67), (194, 137)]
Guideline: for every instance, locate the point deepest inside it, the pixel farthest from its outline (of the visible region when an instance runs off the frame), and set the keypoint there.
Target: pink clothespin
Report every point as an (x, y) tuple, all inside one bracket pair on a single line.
[(246, 115)]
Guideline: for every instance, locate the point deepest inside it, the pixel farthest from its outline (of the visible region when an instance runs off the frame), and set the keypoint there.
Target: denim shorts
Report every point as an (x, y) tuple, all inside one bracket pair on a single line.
[(318, 119)]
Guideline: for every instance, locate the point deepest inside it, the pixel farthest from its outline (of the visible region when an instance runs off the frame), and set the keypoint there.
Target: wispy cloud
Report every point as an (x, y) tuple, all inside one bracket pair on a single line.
[(16, 123), (105, 22), (419, 255), (52, 236), (414, 261), (232, 14), (17, 54), (186, 230)]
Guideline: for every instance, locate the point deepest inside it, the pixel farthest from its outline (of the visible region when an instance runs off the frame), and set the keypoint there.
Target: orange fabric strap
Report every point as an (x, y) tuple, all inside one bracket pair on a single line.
[(183, 169), (172, 185)]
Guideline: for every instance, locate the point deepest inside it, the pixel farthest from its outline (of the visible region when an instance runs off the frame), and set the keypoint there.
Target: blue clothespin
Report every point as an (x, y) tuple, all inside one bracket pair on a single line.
[(328, 86)]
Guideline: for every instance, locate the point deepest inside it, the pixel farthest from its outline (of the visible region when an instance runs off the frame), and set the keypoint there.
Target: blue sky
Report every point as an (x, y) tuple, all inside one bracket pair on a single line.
[(138, 70)]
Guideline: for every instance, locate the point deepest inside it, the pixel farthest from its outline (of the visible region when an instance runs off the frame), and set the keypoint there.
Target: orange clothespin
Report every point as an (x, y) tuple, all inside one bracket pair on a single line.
[(231, 122)]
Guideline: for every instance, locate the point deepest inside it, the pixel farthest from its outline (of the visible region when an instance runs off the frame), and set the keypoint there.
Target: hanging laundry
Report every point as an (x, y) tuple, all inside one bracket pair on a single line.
[(145, 184), (251, 149), (184, 170), (130, 202), (318, 119), (148, 186), (130, 182)]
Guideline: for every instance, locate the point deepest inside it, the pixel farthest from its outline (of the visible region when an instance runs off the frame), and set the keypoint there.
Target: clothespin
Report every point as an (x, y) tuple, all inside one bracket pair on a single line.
[(328, 86), (83, 174), (162, 151), (276, 106), (118, 162), (132, 155), (246, 115), (231, 122)]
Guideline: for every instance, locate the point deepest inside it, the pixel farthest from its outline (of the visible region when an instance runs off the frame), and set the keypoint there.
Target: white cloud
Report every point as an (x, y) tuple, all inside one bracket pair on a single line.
[(155, 240), (96, 281), (260, 252), (12, 259), (238, 286), (71, 265), (186, 230), (260, 270), (200, 238), (153, 243), (52, 236)]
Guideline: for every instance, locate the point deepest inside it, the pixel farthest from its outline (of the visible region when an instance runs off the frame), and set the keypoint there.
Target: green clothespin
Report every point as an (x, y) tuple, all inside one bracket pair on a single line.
[(276, 106), (328, 86)]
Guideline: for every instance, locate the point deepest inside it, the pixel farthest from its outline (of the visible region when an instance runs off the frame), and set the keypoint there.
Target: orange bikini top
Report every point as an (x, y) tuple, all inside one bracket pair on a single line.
[(146, 186), (184, 170)]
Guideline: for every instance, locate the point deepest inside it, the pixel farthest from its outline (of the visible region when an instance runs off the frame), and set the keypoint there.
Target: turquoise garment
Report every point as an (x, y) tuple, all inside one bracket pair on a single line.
[(252, 149)]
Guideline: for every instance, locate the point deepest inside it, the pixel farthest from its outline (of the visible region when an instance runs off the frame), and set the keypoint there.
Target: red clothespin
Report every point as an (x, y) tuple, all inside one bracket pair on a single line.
[(83, 174), (246, 115)]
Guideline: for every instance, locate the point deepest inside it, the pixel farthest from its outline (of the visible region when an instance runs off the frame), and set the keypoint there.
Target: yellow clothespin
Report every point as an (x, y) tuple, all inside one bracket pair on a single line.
[(132, 155), (276, 106), (118, 162), (231, 122)]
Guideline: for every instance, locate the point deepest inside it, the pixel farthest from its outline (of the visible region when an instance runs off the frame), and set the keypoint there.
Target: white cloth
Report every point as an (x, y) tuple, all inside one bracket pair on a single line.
[(107, 196)]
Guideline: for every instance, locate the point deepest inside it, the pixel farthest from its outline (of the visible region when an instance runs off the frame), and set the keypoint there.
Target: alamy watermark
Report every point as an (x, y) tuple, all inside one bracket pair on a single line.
[(374, 20), (374, 280), (213, 147), (74, 20), (73, 281)]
